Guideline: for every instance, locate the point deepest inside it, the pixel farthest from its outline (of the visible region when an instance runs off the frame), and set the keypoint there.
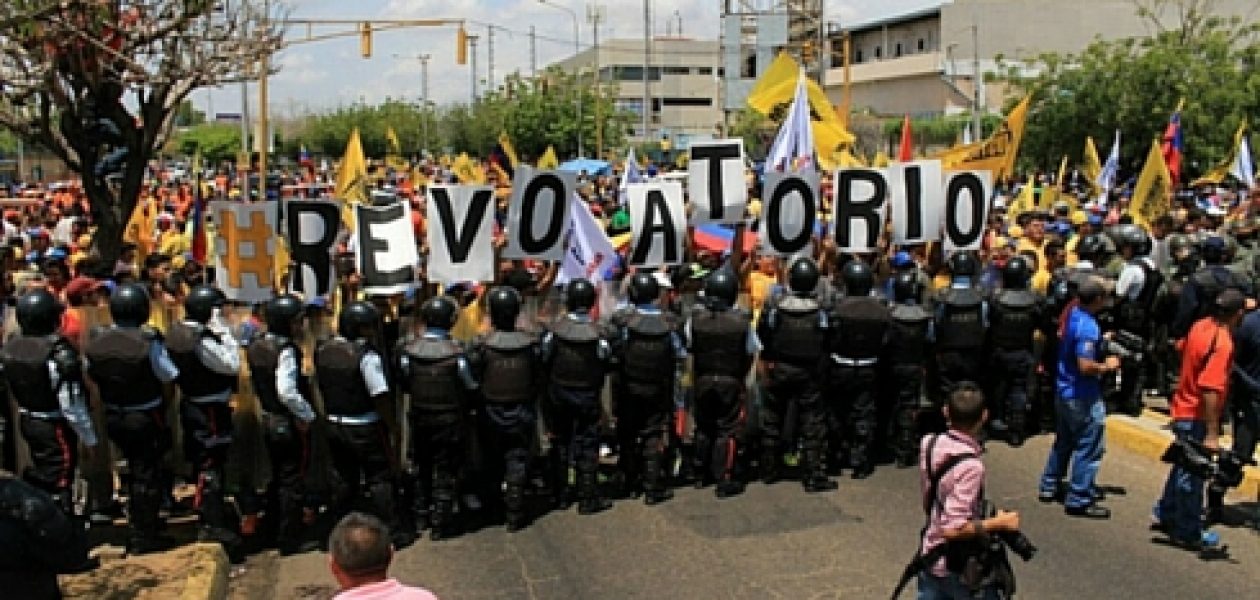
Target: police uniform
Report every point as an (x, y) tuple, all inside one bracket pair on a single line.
[(723, 345), (649, 354), (906, 359), (437, 377), (283, 397), (209, 362), (45, 375), (794, 331), (510, 364), (351, 376), (129, 366), (961, 322), (855, 342), (1015, 317), (577, 355), (1137, 291)]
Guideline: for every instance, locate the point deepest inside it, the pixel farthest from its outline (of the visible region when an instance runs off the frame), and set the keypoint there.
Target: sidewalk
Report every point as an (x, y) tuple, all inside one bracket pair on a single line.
[(1148, 435)]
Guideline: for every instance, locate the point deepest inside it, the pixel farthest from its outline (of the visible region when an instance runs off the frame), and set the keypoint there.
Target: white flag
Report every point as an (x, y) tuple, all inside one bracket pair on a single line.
[(630, 175), (1107, 177), (795, 139), (1244, 170), (590, 253)]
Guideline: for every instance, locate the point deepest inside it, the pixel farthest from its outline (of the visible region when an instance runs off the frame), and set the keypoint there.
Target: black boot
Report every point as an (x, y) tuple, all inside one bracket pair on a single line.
[(728, 488), (1016, 435), (589, 500), (770, 464), (514, 506), (441, 519), (654, 490), (815, 477)]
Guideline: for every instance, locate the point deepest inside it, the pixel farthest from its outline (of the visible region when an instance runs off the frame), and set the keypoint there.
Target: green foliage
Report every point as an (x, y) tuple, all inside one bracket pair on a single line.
[(217, 142), (186, 115), (535, 112), (755, 129), (937, 131), (1135, 84)]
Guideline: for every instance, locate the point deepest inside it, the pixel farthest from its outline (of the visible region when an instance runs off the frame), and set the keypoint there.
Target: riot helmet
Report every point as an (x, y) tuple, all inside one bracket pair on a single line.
[(906, 286), (355, 318), (858, 278), (439, 312), (39, 313), (643, 288), (1091, 247), (720, 290), (580, 295), (129, 305), (505, 306), (201, 301), (282, 313), (963, 264), (803, 276), (1015, 273)]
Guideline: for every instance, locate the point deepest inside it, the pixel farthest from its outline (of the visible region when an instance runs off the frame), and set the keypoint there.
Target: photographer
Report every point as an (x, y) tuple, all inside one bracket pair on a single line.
[(1206, 354), (1243, 402), (1079, 412), (956, 559)]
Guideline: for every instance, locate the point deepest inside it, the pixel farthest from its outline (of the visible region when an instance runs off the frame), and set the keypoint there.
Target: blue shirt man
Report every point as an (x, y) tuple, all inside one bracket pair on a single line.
[(1080, 339)]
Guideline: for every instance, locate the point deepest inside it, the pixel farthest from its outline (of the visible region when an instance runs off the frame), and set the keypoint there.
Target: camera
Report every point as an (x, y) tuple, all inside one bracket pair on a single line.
[(1123, 344), (1223, 471), (1016, 541)]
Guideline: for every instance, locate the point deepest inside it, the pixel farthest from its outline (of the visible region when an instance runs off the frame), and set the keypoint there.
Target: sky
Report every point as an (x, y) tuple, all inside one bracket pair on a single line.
[(323, 75)]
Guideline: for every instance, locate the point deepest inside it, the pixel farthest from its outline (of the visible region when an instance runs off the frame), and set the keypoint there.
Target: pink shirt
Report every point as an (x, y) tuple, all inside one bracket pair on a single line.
[(389, 589), (959, 490)]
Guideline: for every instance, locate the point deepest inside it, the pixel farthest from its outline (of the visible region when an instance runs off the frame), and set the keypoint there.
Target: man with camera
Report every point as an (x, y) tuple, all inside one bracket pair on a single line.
[(1206, 354), (1080, 413), (961, 553)]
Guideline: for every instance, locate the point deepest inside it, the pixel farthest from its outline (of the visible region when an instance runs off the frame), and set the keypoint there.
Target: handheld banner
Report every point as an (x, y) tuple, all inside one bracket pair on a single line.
[(917, 200), (312, 229), (967, 195), (790, 212), (658, 222), (539, 213), (715, 175), (244, 248), (590, 253), (461, 233), (860, 208), (386, 248)]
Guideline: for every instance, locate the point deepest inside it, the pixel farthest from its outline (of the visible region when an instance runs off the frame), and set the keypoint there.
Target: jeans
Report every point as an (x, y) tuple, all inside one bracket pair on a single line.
[(1181, 506), (1078, 442), (949, 587)]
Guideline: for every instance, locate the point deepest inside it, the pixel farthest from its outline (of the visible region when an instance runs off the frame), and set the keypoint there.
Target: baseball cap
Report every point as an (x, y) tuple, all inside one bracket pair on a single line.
[(80, 287), (902, 259)]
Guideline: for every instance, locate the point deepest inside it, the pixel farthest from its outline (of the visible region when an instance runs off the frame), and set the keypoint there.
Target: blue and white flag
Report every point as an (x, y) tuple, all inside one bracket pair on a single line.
[(590, 254), (793, 148), (631, 174), (1243, 169), (1107, 178)]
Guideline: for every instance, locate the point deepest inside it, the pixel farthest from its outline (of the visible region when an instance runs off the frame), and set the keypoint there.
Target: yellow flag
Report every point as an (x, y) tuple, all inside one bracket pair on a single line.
[(880, 161), (765, 93), (996, 154), (505, 143), (846, 159), (1025, 201), (1152, 195), (1218, 173), (777, 85), (467, 170), (1051, 195), (352, 177), (391, 137), (548, 160), (1093, 167)]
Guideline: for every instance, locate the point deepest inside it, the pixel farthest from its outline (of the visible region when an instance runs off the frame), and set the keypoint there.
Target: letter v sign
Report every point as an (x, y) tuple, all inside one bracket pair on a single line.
[(460, 243)]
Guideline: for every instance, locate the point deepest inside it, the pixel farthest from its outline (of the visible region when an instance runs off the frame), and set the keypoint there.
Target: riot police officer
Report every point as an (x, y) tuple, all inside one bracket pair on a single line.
[(723, 344), (577, 354), (855, 342), (649, 355), (961, 322), (509, 362), (130, 366), (1015, 316), (1205, 285), (353, 383), (209, 361), (907, 351), (794, 329), (43, 371), (438, 378), (284, 397), (1137, 290)]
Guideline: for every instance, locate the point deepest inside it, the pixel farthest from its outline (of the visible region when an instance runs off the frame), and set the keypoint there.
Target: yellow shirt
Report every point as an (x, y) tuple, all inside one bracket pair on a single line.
[(1026, 244), (173, 243), (1040, 281), (759, 287)]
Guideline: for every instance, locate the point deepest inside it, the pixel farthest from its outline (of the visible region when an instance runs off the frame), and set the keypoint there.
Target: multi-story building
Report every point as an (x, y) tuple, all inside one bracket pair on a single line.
[(682, 88)]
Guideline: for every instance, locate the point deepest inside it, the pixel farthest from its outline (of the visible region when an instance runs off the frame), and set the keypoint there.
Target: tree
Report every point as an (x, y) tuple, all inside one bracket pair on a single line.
[(99, 83), (1135, 84), (217, 142)]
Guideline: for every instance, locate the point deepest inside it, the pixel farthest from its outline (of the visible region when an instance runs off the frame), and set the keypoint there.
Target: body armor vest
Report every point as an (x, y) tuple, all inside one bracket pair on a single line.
[(1136, 315), (195, 379), (121, 368), (907, 342), (26, 370), (434, 382), (648, 354), (961, 326), (719, 343), (341, 383), (862, 324), (798, 337), (509, 362), (576, 360), (263, 357), (1014, 320)]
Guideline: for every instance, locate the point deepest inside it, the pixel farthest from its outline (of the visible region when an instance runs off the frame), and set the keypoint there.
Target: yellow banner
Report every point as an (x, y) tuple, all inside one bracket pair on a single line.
[(777, 86), (1218, 173), (548, 160), (467, 170), (996, 154), (1024, 202), (352, 178), (1093, 167), (505, 142), (1152, 195)]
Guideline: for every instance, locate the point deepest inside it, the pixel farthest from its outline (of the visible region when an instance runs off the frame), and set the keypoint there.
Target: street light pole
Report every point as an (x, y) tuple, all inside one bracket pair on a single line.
[(975, 82), (577, 69), (424, 102)]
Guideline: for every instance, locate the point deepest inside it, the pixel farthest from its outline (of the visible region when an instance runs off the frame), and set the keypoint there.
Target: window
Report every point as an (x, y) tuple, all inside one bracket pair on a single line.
[(879, 52), (897, 50), (922, 45), (688, 102), (630, 105), (677, 70), (705, 70), (857, 58), (635, 73), (748, 66)]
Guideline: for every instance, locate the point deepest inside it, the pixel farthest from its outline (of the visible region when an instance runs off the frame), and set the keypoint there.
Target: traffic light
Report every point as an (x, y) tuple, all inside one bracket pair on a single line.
[(365, 39), (461, 46)]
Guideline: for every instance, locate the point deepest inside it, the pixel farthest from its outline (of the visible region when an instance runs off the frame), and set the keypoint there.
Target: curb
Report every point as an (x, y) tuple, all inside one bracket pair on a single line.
[(208, 576), (1150, 439)]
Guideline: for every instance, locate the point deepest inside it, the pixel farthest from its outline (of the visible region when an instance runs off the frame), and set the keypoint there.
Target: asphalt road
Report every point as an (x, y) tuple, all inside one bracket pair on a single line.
[(777, 542)]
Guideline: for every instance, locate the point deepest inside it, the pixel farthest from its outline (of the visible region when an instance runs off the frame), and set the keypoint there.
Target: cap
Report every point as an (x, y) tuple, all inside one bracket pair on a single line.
[(1231, 301), (902, 259), (80, 287), (620, 220), (1095, 219)]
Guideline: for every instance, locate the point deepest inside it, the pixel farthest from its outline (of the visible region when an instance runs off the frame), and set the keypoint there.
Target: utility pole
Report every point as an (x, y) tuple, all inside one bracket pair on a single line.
[(424, 101), (472, 47), (533, 53), (490, 57), (647, 61), (264, 126), (975, 81), (595, 15)]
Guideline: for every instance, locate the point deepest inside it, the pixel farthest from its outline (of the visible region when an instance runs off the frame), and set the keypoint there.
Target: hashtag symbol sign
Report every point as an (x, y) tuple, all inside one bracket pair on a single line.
[(244, 250)]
